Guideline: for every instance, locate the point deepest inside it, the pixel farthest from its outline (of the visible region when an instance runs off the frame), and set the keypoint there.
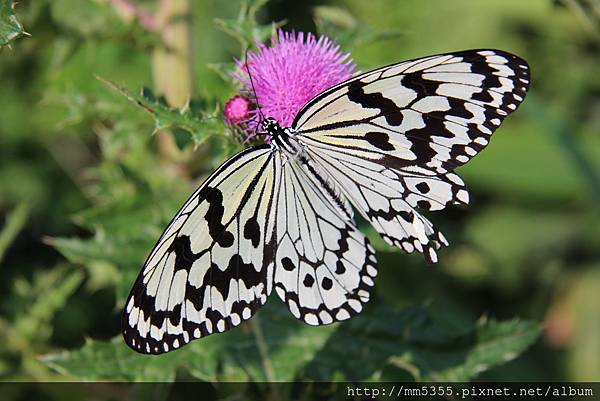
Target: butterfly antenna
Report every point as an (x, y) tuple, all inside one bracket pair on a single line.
[(262, 116)]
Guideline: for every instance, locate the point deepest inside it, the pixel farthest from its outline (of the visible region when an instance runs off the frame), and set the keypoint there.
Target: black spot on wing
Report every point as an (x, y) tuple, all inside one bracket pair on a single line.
[(380, 140), (184, 256), (214, 216), (423, 87), (287, 264), (423, 187), (308, 281), (406, 215), (388, 108), (175, 314), (252, 231), (326, 283), (423, 204)]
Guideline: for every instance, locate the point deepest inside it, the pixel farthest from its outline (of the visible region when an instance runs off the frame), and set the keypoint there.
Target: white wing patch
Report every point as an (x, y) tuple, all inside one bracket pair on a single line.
[(212, 268)]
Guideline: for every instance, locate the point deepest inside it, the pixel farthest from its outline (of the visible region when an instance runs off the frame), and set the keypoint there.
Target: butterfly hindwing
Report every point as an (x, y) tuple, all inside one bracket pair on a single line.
[(389, 199), (325, 266), (212, 268)]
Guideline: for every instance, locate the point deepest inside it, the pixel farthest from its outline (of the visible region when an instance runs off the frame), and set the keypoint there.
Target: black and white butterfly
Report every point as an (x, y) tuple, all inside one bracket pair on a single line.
[(280, 215)]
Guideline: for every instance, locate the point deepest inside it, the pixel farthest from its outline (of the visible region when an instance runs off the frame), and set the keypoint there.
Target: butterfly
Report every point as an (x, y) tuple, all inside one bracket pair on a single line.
[(280, 215)]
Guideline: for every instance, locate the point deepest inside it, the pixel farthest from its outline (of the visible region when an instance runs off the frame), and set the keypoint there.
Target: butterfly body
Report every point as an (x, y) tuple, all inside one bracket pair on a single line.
[(281, 215), (282, 138)]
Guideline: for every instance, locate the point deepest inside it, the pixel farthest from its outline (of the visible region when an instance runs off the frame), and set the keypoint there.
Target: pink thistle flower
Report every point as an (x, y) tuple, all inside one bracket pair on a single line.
[(237, 110), (296, 68)]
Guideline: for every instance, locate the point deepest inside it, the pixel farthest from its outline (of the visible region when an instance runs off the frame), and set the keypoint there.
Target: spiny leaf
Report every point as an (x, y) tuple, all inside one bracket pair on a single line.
[(200, 125), (102, 247), (10, 27), (410, 338), (110, 260), (414, 340), (230, 356), (244, 30)]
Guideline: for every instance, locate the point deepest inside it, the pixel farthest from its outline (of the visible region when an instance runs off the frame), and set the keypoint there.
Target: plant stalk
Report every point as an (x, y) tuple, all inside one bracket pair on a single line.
[(172, 62)]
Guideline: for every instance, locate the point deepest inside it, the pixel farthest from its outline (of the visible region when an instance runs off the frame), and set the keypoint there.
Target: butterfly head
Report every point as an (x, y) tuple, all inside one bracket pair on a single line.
[(271, 127)]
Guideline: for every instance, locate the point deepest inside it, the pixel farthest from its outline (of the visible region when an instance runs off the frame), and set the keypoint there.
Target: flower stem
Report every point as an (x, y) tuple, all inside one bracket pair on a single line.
[(263, 348)]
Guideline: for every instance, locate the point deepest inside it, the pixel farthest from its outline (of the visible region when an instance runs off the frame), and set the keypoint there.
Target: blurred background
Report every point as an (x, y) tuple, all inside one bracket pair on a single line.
[(88, 180)]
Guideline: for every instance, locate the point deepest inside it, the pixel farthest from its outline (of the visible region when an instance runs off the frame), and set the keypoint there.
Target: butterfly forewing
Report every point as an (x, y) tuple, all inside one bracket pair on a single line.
[(434, 113), (391, 137), (213, 266)]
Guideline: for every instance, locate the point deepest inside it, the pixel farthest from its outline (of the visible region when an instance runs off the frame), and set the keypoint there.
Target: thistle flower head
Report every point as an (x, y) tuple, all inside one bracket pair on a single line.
[(237, 110), (283, 77)]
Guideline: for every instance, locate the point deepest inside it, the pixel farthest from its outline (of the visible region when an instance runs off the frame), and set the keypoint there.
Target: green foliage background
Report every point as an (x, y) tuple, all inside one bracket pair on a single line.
[(86, 189)]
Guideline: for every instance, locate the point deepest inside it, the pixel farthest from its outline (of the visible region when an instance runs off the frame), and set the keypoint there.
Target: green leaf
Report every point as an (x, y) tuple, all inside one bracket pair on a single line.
[(230, 356), (244, 28), (101, 247), (15, 221), (493, 344), (200, 125), (43, 298), (348, 31), (113, 360), (109, 259), (10, 27), (416, 341), (275, 346)]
